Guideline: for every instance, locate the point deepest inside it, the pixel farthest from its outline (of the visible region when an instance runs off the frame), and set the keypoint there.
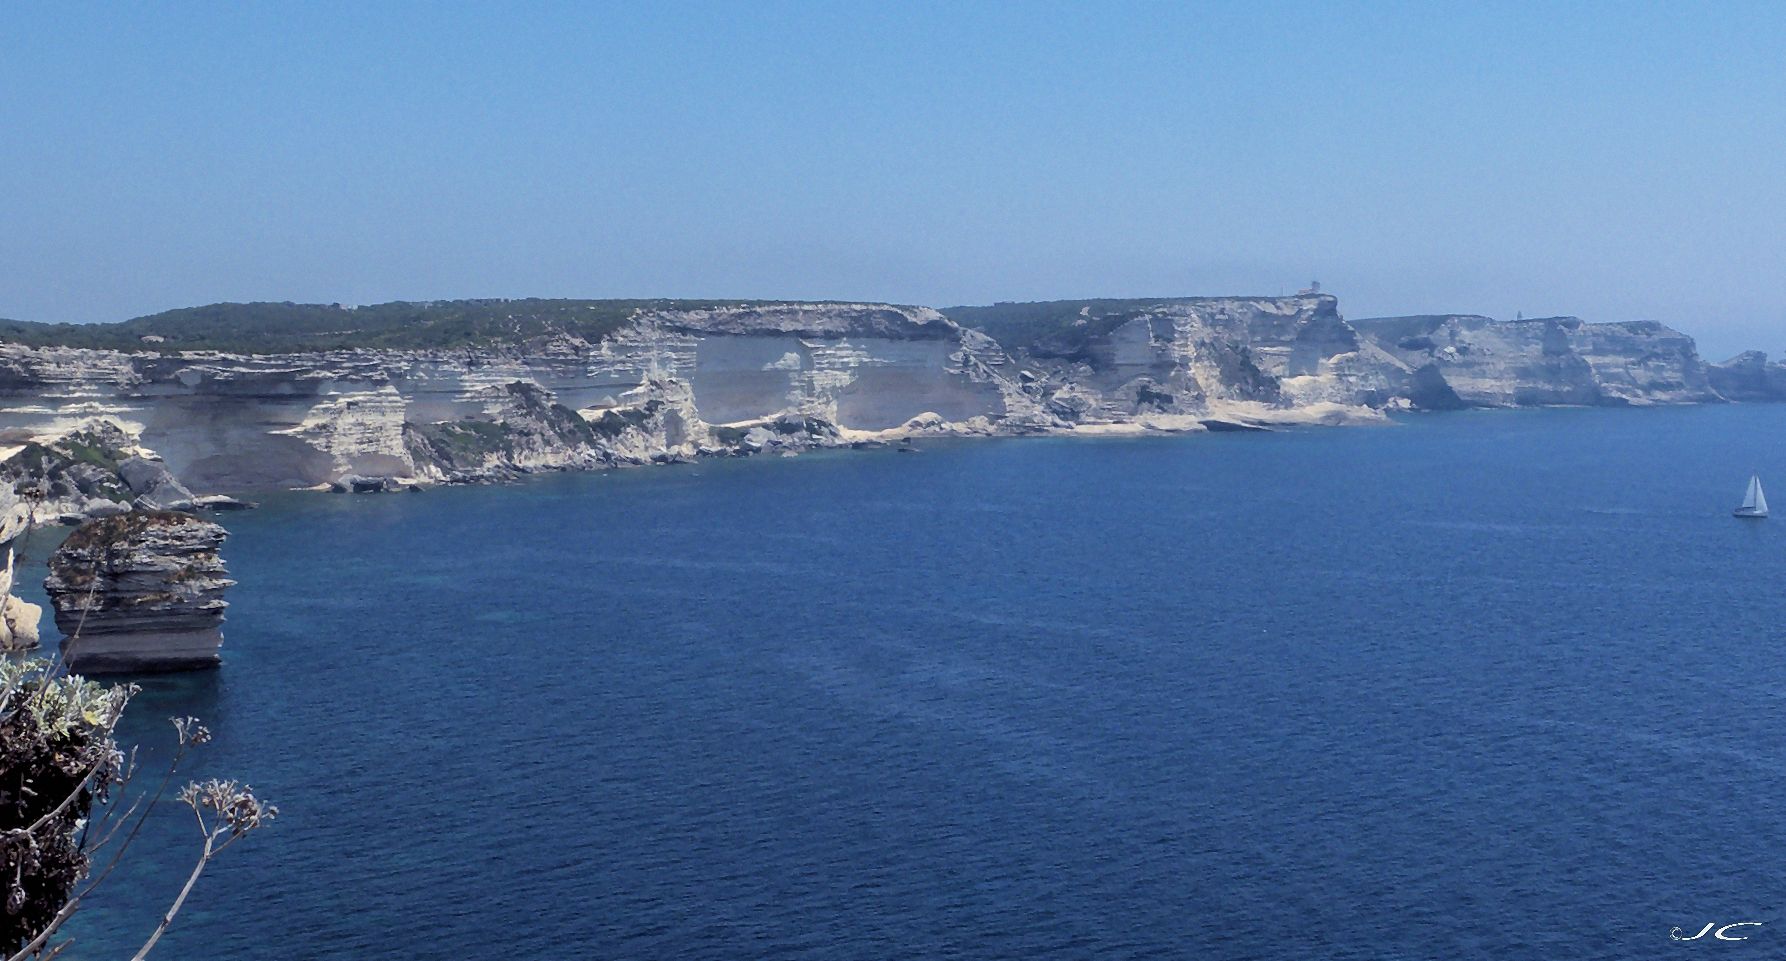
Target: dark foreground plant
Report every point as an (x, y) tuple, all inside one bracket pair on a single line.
[(57, 758), (70, 804)]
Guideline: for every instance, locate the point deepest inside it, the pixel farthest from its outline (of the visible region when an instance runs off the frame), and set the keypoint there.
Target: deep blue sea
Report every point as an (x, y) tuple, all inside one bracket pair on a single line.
[(1483, 685)]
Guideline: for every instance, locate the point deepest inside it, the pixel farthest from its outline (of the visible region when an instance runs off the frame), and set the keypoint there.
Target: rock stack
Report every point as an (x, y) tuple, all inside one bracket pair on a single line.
[(140, 592)]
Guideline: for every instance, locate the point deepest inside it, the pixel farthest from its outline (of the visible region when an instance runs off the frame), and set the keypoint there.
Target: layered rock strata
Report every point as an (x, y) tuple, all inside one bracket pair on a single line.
[(571, 385), (1170, 364), (1440, 362), (245, 422), (140, 592), (1749, 376)]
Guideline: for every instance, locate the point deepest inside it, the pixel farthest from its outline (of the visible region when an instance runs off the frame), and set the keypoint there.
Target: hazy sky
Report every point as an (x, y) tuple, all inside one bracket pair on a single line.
[(1612, 161)]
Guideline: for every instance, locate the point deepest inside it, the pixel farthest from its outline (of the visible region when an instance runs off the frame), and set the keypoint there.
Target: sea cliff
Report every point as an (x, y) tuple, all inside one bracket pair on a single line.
[(1473, 361), (234, 398)]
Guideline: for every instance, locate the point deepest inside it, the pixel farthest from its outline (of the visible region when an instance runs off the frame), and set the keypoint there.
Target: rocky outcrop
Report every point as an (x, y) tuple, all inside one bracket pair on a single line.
[(1641, 362), (361, 484), (786, 434), (1471, 361), (98, 470), (520, 430), (656, 421), (155, 487), (1749, 377), (73, 475), (140, 592)]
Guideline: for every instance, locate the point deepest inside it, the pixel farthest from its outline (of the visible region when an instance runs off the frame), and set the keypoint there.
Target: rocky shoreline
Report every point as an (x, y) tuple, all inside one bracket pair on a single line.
[(100, 431)]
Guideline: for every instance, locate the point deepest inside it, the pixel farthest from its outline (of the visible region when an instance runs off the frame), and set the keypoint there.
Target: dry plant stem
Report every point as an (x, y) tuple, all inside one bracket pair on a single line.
[(119, 854), (237, 813), (108, 821), (192, 879)]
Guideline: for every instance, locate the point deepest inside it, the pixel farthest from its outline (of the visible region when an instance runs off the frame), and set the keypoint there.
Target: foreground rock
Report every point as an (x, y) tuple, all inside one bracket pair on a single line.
[(74, 474), (18, 619), (524, 430), (155, 487), (140, 592)]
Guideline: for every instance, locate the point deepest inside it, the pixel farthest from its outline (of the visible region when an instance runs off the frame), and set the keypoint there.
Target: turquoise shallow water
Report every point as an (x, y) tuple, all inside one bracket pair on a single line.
[(1495, 685)]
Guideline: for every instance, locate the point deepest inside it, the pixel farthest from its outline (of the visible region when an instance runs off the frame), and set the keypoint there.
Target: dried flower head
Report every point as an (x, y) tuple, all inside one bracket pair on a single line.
[(232, 801), (191, 731)]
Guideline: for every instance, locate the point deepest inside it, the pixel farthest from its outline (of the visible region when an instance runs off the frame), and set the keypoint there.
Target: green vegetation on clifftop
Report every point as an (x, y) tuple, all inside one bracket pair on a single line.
[(267, 328)]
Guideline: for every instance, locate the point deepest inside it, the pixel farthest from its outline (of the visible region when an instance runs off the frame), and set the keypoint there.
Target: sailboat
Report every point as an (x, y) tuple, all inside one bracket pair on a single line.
[(1754, 501)]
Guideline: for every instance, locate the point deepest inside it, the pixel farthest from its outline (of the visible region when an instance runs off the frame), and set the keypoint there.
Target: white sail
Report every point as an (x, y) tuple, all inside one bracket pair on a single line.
[(1754, 501)]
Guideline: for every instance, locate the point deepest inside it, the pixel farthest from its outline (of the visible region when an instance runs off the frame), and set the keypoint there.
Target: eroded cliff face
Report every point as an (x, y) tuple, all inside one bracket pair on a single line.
[(655, 421), (226, 422), (668, 383), (1749, 377), (1472, 361), (1172, 362), (520, 429)]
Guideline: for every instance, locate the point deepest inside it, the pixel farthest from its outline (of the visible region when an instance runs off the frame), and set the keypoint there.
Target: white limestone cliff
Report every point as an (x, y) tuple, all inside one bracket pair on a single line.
[(668, 383)]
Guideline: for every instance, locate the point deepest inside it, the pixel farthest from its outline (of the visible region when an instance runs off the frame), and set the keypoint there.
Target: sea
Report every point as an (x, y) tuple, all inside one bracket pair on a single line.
[(1485, 685)]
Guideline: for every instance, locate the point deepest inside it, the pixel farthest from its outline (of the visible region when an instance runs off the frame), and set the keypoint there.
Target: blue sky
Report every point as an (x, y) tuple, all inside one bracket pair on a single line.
[(1612, 161)]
